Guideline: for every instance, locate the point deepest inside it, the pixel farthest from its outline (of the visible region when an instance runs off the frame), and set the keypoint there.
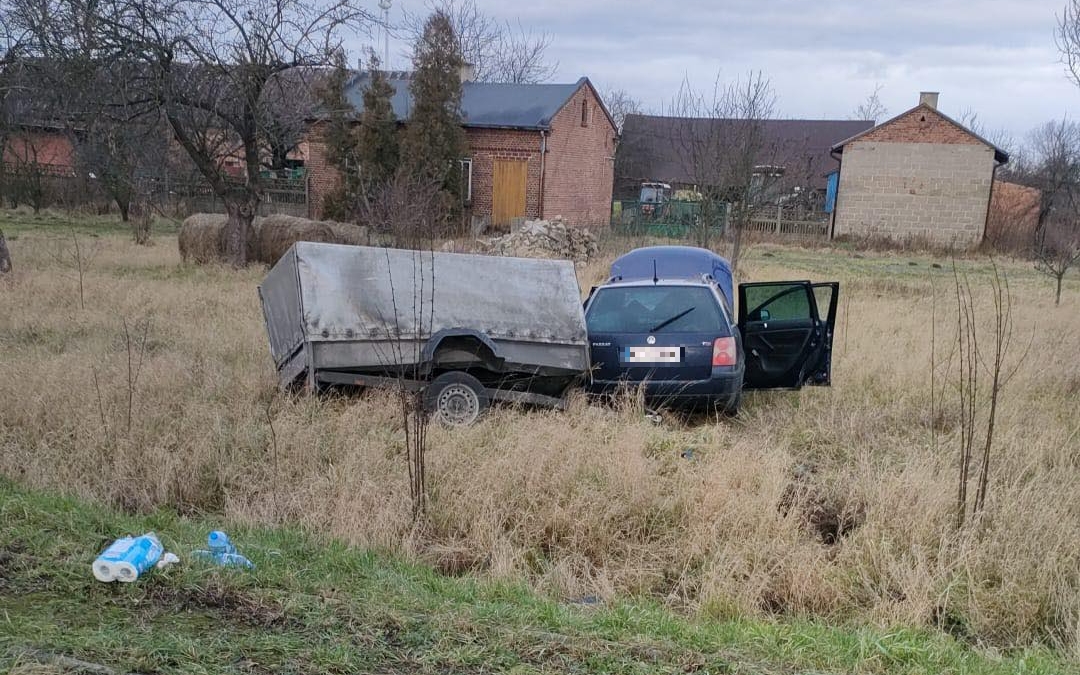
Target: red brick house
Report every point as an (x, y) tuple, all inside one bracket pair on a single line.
[(46, 146), (535, 150), (920, 175)]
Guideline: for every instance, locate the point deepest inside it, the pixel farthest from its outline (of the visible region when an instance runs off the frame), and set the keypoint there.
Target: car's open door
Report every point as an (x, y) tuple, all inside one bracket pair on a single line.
[(787, 333)]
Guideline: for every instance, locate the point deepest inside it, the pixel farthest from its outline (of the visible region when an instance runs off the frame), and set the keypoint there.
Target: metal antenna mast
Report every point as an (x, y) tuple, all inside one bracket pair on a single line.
[(384, 5)]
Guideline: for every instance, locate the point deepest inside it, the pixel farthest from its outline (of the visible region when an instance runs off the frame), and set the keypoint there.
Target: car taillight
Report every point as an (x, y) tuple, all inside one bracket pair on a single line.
[(723, 352)]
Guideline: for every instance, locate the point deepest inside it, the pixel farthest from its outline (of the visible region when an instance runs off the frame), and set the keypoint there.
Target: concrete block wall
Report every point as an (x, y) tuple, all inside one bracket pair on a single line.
[(579, 172), (917, 176), (933, 191)]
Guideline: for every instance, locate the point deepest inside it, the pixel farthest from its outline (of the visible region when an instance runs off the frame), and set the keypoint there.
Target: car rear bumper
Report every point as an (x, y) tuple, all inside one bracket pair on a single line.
[(721, 388)]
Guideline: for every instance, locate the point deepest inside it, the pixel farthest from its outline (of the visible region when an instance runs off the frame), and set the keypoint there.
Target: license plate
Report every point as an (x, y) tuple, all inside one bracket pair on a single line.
[(652, 354)]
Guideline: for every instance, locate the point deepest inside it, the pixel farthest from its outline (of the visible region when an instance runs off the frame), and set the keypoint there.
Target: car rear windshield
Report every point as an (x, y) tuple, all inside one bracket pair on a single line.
[(656, 309)]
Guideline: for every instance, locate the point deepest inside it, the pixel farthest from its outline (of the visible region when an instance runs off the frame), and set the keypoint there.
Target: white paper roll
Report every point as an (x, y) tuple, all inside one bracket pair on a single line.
[(103, 571), (125, 571)]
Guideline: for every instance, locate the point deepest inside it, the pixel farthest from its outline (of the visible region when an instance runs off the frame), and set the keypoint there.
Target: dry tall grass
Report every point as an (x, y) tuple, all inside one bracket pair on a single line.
[(594, 500)]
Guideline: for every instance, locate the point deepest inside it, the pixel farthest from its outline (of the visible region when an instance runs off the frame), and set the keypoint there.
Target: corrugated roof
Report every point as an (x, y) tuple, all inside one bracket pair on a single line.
[(659, 145), (485, 104)]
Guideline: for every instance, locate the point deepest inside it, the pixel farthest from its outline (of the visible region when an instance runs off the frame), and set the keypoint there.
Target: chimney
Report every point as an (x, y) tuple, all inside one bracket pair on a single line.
[(467, 72), (928, 98)]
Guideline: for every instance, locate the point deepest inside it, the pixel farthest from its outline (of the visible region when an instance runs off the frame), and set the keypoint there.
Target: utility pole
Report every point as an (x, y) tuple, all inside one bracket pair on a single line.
[(384, 5)]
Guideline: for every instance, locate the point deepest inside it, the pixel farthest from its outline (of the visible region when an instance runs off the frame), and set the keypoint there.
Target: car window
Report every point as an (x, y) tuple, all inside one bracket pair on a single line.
[(656, 309), (777, 302), (823, 296)]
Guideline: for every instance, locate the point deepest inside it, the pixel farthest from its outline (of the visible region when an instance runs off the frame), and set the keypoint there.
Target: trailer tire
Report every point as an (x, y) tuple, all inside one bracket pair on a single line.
[(456, 399)]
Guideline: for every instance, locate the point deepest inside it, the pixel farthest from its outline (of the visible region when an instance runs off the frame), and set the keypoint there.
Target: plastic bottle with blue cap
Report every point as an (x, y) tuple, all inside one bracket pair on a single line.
[(222, 551)]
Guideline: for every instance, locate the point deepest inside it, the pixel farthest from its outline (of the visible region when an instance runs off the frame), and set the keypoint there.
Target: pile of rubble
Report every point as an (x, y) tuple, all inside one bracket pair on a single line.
[(545, 239)]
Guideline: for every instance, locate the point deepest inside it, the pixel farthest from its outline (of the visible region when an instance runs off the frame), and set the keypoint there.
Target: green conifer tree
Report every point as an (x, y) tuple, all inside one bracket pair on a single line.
[(434, 141), (378, 136)]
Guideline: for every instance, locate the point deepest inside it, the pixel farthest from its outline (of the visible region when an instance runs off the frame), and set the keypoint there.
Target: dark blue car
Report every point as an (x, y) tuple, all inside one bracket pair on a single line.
[(665, 321)]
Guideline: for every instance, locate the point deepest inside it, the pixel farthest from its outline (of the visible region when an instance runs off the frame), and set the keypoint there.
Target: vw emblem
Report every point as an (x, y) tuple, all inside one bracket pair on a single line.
[(651, 340)]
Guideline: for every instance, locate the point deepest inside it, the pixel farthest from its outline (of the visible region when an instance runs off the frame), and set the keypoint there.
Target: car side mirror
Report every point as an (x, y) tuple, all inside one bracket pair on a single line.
[(763, 315)]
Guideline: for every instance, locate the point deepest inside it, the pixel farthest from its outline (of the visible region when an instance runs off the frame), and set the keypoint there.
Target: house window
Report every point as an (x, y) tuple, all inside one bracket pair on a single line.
[(585, 112), (466, 179)]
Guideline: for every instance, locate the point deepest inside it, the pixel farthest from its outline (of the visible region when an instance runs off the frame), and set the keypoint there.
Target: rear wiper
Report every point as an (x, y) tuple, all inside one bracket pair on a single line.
[(671, 320)]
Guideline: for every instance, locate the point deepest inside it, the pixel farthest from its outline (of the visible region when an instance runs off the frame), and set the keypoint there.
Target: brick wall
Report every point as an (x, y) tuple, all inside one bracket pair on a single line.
[(919, 176), (1014, 217), (579, 170), (45, 148), (323, 177), (921, 125), (487, 145)]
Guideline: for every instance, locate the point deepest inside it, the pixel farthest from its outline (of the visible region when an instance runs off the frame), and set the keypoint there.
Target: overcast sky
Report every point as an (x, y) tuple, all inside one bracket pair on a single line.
[(994, 57)]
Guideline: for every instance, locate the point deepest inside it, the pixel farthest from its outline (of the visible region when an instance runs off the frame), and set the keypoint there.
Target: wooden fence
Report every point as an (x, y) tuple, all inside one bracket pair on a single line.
[(777, 222), (678, 220)]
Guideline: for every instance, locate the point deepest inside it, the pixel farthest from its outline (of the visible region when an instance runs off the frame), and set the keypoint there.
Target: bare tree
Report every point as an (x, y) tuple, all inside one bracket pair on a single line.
[(726, 151), (976, 431), (215, 69), (498, 51), (1057, 249), (1000, 137), (78, 258), (1050, 162), (1067, 38), (406, 205), (1053, 164), (872, 108), (620, 103)]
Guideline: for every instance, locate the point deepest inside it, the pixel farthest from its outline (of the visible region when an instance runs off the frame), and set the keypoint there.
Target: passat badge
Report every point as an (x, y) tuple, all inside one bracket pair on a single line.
[(651, 340)]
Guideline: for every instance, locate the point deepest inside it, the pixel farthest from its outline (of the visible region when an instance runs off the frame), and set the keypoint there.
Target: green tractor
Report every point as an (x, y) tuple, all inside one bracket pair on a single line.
[(661, 211)]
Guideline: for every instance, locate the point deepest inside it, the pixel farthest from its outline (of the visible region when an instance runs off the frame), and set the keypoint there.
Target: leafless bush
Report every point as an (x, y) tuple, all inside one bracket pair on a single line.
[(411, 208), (5, 255), (977, 431), (78, 258), (135, 340)]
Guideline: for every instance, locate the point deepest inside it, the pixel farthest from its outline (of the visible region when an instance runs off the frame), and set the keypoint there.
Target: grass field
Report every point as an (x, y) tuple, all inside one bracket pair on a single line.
[(593, 502), (313, 608)]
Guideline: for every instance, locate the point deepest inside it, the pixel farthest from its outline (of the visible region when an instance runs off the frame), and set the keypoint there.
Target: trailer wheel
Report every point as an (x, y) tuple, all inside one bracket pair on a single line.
[(456, 399)]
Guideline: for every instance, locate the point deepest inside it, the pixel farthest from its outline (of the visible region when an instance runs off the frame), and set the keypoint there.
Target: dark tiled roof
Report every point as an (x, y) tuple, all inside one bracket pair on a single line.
[(658, 146), (485, 104)]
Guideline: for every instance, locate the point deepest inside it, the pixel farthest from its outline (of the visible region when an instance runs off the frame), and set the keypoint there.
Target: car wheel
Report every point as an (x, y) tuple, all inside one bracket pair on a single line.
[(456, 399)]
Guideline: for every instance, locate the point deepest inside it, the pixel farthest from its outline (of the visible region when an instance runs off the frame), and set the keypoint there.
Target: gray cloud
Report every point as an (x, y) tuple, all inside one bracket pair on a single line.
[(994, 57)]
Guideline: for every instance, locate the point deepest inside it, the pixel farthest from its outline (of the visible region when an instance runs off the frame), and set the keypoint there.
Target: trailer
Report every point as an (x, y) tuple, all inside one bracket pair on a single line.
[(465, 329)]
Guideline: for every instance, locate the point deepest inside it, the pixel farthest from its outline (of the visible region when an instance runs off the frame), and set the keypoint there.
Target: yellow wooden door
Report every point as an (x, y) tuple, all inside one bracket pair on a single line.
[(508, 190)]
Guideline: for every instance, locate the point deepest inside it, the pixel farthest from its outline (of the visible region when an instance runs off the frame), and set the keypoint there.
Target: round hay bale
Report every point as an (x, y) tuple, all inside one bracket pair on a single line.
[(347, 233), (202, 238), (279, 232)]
